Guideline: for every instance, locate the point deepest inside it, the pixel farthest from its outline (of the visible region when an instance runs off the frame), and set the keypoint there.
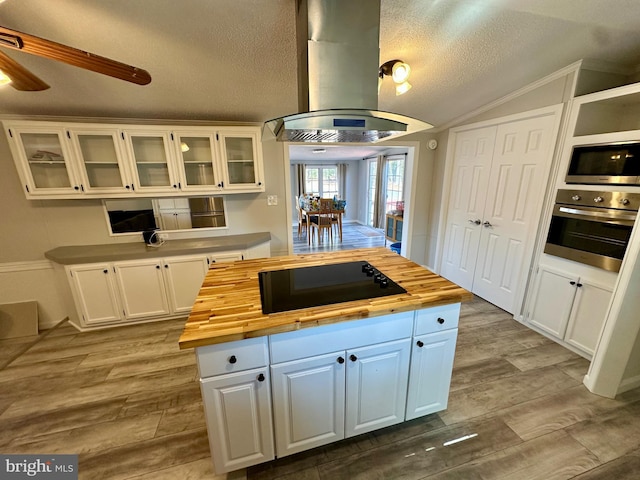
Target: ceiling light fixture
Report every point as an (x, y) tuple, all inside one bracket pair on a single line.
[(4, 79), (399, 71)]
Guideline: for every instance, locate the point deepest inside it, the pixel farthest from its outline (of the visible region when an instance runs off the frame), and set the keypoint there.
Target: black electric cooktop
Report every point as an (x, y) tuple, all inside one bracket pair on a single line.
[(283, 290)]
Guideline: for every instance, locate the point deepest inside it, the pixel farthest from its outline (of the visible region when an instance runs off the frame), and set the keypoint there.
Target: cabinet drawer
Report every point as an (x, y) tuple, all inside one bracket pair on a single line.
[(437, 319), (339, 336), (232, 356)]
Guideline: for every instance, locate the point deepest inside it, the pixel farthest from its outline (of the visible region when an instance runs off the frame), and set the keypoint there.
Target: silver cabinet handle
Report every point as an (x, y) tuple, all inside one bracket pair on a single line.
[(476, 221)]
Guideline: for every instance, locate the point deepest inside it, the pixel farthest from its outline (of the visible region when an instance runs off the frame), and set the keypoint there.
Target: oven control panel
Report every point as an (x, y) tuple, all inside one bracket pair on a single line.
[(585, 198)]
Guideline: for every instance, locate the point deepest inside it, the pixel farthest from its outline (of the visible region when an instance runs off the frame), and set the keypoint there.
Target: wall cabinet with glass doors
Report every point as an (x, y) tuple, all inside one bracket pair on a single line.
[(58, 160)]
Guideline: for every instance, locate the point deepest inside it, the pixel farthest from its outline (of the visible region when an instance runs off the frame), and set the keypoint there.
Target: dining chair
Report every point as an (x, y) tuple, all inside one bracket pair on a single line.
[(302, 219), (323, 220)]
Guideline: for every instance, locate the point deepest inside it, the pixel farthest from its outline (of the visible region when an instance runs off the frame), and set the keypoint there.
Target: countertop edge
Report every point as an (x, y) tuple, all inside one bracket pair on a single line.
[(81, 254), (409, 305)]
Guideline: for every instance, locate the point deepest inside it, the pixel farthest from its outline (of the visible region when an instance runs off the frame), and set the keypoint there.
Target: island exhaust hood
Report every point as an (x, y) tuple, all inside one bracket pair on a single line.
[(338, 62)]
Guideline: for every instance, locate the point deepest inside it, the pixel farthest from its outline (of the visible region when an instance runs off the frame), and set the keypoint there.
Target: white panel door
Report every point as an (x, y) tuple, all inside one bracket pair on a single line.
[(471, 168), (430, 375), (552, 301), (184, 278), (141, 285), (519, 172), (376, 386), (308, 402), (587, 316), (95, 293), (238, 414)]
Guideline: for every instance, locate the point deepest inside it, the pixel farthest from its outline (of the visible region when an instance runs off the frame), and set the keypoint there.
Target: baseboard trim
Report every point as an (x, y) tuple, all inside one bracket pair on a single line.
[(629, 384)]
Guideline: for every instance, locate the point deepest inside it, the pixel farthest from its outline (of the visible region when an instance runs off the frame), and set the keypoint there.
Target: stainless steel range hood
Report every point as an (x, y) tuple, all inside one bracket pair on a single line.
[(338, 61)]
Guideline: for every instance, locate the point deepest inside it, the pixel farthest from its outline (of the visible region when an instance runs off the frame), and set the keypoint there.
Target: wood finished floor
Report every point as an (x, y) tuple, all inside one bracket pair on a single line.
[(128, 402), (353, 236)]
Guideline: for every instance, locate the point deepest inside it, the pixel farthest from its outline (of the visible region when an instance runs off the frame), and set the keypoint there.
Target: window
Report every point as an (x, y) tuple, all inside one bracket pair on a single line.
[(371, 191), (395, 183), (322, 181)]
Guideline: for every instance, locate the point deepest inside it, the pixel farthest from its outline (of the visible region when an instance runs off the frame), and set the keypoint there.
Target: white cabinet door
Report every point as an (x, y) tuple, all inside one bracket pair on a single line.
[(238, 415), (308, 402), (552, 301), (430, 375), (44, 159), (587, 315), (95, 293), (241, 160), (151, 160), (142, 289), (472, 164), (101, 162), (197, 156), (184, 276), (376, 386)]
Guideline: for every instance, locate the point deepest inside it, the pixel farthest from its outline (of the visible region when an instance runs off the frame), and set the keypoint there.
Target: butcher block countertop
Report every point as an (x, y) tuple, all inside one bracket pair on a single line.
[(228, 306)]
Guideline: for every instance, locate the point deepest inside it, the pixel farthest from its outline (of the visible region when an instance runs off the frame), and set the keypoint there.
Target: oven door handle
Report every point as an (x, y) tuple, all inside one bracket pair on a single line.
[(617, 218)]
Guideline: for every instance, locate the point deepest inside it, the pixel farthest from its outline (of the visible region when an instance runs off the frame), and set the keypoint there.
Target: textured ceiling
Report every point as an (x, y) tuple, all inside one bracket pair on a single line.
[(235, 60)]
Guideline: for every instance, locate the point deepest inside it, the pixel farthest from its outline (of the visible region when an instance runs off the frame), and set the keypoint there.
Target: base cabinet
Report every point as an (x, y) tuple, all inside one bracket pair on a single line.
[(570, 308), (327, 383), (308, 400), (239, 418), (139, 290)]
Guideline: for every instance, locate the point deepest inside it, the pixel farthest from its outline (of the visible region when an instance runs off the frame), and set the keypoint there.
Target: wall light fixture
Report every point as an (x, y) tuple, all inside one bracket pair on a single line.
[(399, 71)]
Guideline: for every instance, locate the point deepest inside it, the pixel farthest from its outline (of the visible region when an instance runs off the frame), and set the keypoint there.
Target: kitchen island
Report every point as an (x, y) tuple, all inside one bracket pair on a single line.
[(280, 383)]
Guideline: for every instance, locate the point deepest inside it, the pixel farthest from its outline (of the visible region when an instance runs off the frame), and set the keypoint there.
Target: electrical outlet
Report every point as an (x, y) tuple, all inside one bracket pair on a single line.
[(272, 200)]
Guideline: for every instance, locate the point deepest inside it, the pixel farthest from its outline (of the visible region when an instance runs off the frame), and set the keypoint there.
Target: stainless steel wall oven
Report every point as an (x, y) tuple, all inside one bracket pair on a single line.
[(592, 227)]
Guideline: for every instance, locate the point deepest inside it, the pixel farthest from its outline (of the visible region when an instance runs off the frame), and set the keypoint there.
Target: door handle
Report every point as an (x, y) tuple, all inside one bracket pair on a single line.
[(487, 224), (476, 221)]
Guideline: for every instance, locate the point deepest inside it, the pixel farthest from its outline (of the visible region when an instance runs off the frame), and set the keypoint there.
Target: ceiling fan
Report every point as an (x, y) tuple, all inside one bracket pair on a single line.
[(23, 79)]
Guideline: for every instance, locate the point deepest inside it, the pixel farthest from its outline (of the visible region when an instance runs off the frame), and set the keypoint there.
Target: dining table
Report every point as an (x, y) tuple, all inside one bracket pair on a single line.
[(307, 211)]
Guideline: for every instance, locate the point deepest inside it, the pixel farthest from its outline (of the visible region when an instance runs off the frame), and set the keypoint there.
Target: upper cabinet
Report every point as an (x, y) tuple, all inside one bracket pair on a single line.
[(44, 161), (56, 160)]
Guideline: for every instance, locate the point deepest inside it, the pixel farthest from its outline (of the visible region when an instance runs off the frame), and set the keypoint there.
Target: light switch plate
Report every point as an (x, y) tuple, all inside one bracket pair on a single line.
[(272, 200)]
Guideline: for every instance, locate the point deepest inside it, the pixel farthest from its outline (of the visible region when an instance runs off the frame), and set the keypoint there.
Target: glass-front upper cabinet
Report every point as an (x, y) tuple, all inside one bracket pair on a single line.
[(100, 158), (241, 160), (151, 160), (43, 159), (196, 155)]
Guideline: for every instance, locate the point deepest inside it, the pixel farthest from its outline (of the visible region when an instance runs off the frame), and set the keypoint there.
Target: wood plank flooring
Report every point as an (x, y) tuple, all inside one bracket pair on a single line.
[(128, 402), (353, 236)]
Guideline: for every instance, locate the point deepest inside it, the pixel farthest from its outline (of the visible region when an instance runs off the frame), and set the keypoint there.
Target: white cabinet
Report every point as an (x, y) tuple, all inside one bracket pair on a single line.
[(430, 376), (44, 160), (376, 386), (328, 383), (100, 160), (95, 293), (238, 416), (236, 394), (309, 402), (142, 288), (75, 160), (184, 276), (241, 160), (570, 308)]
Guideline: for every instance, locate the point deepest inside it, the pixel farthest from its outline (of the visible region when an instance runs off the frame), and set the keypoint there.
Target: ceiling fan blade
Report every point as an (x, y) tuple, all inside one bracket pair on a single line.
[(72, 56), (21, 78)]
